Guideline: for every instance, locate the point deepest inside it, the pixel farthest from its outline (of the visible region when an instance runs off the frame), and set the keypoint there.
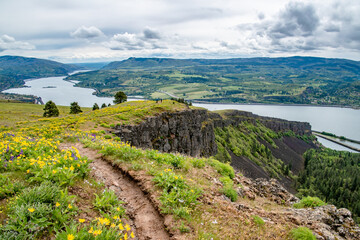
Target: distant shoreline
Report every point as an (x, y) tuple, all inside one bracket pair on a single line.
[(277, 104)]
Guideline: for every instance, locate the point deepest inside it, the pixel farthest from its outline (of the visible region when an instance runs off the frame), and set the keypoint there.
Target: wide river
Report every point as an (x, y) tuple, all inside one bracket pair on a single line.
[(340, 121)]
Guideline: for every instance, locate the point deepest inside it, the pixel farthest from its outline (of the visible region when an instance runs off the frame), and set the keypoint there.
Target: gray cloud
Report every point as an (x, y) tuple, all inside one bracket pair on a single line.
[(9, 43), (297, 19), (87, 32), (151, 34)]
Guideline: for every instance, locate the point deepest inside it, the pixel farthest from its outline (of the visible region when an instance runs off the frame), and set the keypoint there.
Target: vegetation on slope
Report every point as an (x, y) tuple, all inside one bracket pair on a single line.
[(333, 176), (14, 69), (39, 178), (294, 80)]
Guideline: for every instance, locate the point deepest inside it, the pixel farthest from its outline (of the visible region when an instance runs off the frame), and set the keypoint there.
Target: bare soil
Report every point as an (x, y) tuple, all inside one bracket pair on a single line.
[(148, 222)]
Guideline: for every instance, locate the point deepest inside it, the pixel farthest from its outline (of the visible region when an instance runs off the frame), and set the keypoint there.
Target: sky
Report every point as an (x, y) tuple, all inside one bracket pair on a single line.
[(73, 31)]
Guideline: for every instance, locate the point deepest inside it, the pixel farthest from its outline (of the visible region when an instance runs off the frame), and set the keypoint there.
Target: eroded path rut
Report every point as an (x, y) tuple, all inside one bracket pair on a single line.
[(149, 224)]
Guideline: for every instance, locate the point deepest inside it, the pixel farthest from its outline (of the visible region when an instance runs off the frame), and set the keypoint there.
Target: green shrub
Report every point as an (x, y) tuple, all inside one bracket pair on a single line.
[(197, 162), (302, 233), (309, 202), (228, 188), (258, 221), (106, 201), (223, 168)]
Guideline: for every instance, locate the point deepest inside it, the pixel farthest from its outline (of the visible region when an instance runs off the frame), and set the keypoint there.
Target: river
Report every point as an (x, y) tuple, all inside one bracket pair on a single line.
[(62, 92), (340, 121)]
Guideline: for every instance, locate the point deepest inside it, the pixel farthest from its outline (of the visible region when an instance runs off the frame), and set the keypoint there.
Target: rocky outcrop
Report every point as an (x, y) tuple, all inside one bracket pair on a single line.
[(187, 132), (327, 222), (191, 132), (235, 117)]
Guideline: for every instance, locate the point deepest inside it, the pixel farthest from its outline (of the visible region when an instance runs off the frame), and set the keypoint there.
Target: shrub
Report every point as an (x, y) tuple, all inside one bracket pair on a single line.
[(258, 221), (106, 201), (75, 108), (95, 106), (223, 168), (228, 188), (302, 233), (309, 202), (50, 110), (120, 97)]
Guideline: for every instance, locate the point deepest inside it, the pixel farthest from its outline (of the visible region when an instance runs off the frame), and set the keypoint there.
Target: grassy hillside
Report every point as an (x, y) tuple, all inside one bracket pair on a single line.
[(50, 190), (297, 80), (14, 69)]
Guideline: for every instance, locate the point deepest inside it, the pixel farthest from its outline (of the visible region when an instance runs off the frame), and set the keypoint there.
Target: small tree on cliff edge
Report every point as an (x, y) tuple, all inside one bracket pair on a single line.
[(120, 97), (75, 108), (50, 109)]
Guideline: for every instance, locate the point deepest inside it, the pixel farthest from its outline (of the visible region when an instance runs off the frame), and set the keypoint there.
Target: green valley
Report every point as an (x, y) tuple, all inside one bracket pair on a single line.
[(292, 80)]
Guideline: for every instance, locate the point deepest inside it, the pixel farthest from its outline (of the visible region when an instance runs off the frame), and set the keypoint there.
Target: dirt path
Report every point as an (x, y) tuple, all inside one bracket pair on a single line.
[(148, 222)]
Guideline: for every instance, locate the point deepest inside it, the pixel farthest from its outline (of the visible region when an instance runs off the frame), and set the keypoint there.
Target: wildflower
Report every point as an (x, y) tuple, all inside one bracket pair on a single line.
[(31, 209), (97, 232), (121, 227), (53, 171), (91, 230), (28, 171), (57, 204), (125, 236), (81, 220), (72, 168), (112, 225), (132, 235), (70, 237), (127, 227), (69, 206)]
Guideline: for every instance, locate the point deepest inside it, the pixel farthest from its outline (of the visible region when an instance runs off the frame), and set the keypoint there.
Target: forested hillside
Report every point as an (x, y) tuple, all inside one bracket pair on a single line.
[(333, 176)]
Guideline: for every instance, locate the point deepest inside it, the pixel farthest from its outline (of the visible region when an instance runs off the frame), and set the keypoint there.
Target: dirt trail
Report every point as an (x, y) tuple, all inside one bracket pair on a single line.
[(149, 224)]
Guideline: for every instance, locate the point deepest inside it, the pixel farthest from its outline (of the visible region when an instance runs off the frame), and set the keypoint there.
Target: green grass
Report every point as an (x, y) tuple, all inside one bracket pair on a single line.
[(307, 202), (302, 233)]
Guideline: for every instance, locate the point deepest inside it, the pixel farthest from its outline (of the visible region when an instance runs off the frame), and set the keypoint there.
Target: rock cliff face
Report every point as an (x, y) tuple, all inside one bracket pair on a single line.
[(187, 132), (235, 117), (191, 132)]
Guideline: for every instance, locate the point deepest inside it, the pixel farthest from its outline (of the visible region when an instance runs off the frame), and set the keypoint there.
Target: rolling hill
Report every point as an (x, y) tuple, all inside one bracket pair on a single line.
[(14, 69)]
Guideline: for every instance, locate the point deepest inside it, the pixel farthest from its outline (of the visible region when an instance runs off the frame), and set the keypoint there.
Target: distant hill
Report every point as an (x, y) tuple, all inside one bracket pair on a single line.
[(304, 63), (285, 80), (14, 69)]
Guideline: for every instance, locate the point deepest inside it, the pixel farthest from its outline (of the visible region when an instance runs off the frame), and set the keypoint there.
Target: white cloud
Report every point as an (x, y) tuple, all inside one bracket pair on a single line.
[(9, 43), (87, 32)]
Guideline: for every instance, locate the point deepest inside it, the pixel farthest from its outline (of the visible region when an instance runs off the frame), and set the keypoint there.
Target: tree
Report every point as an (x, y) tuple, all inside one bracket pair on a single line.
[(50, 109), (75, 108), (95, 106), (120, 97), (103, 105)]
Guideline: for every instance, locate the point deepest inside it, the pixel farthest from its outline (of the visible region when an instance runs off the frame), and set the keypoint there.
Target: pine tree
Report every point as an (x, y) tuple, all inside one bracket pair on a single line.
[(120, 97), (95, 106), (75, 108), (103, 105), (50, 110)]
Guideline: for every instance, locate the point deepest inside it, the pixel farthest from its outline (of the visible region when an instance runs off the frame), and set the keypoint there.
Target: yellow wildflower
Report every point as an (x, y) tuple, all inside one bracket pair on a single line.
[(125, 236), (28, 171), (31, 209), (97, 232), (82, 220), (72, 168), (91, 230), (69, 206), (57, 204), (127, 227), (121, 227), (70, 237), (132, 235), (53, 171), (112, 225)]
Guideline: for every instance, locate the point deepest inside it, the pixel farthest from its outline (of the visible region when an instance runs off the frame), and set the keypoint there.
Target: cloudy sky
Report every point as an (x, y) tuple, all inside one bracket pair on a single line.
[(107, 30)]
